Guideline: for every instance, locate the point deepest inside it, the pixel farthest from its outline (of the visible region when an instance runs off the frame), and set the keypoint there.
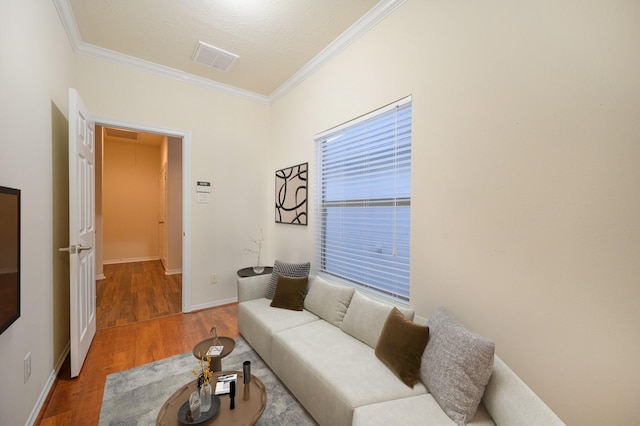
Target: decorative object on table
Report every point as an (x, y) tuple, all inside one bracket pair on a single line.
[(216, 348), (204, 383), (259, 267), (193, 413), (291, 195), (186, 418), (246, 379), (232, 395), (223, 384)]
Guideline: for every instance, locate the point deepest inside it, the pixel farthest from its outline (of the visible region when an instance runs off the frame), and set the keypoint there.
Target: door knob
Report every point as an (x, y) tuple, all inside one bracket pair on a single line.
[(73, 249)]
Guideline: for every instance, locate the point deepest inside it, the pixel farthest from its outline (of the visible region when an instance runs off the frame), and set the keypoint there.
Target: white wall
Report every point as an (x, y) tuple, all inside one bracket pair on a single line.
[(526, 165), (229, 143), (36, 70)]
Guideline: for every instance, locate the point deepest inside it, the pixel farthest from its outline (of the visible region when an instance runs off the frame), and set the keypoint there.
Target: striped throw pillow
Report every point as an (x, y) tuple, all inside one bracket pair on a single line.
[(295, 270)]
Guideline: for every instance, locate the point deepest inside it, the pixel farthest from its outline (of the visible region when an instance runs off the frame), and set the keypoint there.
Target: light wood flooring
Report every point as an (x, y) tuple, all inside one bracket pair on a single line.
[(133, 292), (139, 320)]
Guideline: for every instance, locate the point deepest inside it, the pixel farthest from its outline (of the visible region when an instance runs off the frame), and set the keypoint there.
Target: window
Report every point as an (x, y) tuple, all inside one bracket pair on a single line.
[(363, 200)]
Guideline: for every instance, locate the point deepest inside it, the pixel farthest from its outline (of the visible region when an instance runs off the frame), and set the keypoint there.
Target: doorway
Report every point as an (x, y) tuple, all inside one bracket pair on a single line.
[(176, 159), (138, 210)]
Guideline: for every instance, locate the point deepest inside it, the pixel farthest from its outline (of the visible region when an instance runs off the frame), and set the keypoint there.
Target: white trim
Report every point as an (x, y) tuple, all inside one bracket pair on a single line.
[(47, 387), (380, 11), (110, 55), (130, 260), (214, 304), (173, 271), (186, 193)]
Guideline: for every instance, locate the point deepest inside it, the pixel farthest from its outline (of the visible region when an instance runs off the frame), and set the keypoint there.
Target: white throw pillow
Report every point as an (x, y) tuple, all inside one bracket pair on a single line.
[(328, 301), (366, 317)]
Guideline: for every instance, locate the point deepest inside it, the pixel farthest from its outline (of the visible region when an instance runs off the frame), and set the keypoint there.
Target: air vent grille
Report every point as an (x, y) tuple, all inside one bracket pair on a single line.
[(213, 57)]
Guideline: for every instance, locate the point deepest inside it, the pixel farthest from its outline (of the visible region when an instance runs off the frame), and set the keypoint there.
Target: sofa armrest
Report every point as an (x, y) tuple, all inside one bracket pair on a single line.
[(510, 401), (250, 288)]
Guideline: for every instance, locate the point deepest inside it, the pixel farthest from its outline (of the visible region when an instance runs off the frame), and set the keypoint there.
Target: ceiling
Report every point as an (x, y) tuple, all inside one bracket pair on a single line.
[(278, 42)]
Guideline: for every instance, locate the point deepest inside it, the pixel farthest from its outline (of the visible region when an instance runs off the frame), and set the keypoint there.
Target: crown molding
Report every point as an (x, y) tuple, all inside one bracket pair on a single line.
[(357, 30), (380, 11)]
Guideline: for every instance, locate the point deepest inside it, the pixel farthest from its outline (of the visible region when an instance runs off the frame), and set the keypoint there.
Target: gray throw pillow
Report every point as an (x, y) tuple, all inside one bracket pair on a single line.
[(456, 366), (295, 270)]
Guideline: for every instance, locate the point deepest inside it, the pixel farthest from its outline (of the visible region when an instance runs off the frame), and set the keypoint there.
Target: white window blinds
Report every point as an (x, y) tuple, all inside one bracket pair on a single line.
[(363, 200)]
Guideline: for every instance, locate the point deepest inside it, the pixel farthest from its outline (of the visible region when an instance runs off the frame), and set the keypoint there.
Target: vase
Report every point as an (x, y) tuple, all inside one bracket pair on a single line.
[(258, 269), (205, 397)]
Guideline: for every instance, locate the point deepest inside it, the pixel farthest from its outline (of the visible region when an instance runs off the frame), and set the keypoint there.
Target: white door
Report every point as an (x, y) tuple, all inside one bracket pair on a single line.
[(82, 232)]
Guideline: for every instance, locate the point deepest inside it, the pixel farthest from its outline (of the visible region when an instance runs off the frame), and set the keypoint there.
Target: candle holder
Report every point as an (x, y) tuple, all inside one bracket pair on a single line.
[(246, 379)]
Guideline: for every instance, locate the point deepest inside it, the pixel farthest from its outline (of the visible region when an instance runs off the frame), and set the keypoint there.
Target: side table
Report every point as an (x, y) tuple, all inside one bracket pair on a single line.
[(200, 350), (248, 272)]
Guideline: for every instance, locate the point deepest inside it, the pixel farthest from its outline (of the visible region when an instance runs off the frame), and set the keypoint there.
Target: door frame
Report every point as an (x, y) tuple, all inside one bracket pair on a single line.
[(186, 192)]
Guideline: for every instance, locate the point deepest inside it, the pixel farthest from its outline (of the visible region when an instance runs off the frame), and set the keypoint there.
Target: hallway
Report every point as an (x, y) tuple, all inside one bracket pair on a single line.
[(133, 292)]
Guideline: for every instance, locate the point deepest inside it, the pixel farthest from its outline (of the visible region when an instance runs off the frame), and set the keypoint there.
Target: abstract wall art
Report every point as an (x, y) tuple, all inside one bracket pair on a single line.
[(291, 194)]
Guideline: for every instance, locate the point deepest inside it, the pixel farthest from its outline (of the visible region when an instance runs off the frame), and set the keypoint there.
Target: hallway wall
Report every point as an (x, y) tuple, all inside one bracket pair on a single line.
[(130, 201)]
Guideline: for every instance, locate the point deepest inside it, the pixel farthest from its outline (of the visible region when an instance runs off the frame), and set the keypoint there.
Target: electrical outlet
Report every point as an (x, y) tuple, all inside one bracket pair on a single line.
[(213, 279), (27, 367)]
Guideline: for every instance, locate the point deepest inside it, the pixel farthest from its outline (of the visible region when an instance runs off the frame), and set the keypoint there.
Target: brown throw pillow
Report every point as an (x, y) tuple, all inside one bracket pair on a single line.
[(401, 345), (290, 293)]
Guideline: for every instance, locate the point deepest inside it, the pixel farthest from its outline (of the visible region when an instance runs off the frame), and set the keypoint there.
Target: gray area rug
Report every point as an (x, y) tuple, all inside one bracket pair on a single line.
[(134, 397)]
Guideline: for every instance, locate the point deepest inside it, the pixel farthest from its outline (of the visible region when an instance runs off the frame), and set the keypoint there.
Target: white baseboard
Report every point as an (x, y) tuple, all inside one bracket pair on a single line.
[(47, 387), (173, 271), (130, 260), (213, 304)]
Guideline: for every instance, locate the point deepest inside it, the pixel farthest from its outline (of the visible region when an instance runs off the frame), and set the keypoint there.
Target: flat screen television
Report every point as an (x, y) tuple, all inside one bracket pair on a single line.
[(9, 257)]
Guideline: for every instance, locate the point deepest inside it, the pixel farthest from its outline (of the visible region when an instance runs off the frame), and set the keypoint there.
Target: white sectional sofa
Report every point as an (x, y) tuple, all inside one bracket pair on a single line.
[(325, 355)]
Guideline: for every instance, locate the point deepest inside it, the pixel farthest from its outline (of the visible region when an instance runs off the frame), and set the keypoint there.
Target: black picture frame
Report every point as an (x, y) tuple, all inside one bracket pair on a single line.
[(9, 257), (291, 194)]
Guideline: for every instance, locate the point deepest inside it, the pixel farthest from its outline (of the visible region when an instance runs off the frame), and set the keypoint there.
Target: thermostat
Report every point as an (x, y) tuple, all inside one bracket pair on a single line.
[(202, 186)]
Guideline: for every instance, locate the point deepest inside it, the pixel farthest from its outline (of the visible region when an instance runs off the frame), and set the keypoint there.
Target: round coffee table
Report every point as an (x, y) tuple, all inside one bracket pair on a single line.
[(200, 351), (246, 412)]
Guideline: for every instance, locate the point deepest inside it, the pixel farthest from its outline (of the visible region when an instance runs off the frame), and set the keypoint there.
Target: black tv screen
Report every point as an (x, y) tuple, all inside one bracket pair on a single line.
[(9, 257)]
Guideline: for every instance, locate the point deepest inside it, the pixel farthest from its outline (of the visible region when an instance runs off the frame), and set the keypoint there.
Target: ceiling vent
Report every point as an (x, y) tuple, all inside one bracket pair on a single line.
[(213, 57)]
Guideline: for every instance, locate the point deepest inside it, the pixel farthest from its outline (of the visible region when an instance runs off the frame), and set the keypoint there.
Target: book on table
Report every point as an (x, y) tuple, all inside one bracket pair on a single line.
[(223, 385), (214, 350)]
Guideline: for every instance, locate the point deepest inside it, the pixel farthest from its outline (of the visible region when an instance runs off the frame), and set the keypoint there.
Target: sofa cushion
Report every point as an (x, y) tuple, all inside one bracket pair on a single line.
[(328, 301), (401, 345), (258, 322), (365, 318), (417, 410), (296, 270), (331, 373), (290, 293), (456, 366)]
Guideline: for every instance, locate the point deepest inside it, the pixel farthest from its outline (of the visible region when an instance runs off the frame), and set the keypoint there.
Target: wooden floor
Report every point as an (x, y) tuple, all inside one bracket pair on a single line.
[(78, 401), (133, 292), (138, 321)]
